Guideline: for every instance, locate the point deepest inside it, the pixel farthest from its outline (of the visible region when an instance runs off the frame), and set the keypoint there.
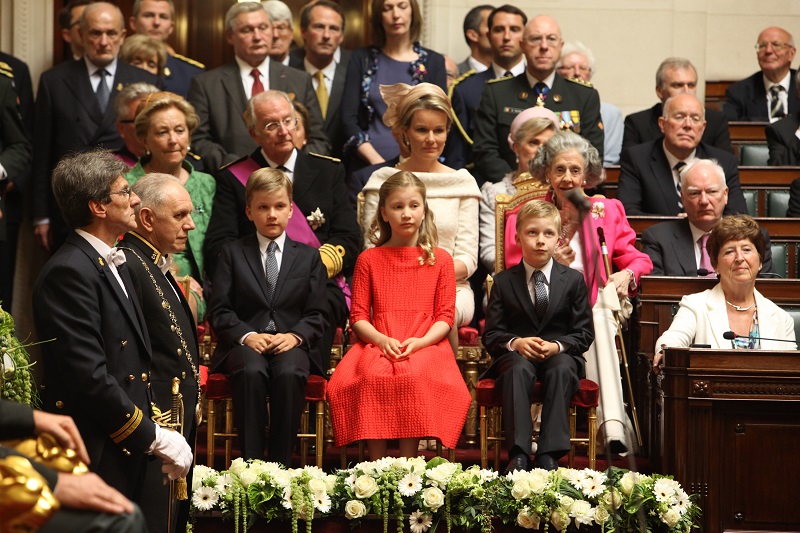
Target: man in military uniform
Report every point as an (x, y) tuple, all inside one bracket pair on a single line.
[(156, 19), (163, 221), (506, 24), (576, 103)]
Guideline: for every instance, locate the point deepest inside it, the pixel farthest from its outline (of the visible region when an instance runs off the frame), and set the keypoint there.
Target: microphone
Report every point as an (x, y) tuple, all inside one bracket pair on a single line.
[(577, 198), (730, 335), (702, 272)]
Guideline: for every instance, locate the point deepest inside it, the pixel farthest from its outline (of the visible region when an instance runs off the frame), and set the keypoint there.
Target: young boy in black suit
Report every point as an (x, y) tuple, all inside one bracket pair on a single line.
[(268, 308), (538, 324)]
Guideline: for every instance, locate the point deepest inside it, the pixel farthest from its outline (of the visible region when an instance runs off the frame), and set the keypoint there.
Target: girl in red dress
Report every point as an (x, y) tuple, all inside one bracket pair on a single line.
[(400, 380)]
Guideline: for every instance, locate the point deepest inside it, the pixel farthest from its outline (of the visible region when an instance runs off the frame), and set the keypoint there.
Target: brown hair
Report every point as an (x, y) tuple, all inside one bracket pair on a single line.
[(734, 228), (376, 21)]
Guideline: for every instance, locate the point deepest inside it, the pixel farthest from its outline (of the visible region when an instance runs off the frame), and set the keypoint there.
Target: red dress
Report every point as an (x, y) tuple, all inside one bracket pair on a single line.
[(423, 395)]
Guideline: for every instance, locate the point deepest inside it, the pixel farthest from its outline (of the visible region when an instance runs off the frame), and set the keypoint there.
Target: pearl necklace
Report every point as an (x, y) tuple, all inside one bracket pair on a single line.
[(738, 308)]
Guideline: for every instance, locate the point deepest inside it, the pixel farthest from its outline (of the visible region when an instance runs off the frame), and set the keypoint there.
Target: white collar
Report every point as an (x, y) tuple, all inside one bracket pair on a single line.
[(547, 81), (546, 270), (290, 163), (783, 83), (516, 70), (99, 246), (245, 68), (672, 160), (328, 71), (263, 242), (476, 65), (111, 68)]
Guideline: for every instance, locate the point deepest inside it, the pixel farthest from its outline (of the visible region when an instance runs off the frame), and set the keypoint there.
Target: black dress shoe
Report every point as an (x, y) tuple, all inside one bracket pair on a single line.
[(545, 462), (518, 462), (617, 447)]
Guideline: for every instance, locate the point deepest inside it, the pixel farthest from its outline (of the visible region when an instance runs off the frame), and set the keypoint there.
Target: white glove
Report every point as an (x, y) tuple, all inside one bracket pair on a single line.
[(174, 452)]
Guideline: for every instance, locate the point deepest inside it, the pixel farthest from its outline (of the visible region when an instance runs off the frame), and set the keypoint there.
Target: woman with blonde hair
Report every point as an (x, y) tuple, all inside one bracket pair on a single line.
[(164, 124), (400, 380), (420, 117), (144, 52)]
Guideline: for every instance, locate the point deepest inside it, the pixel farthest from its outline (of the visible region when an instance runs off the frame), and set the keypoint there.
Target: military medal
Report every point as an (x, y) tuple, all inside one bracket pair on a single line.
[(556, 98)]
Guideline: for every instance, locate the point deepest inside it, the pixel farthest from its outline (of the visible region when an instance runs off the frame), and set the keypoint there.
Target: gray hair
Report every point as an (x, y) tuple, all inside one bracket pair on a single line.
[(97, 5), (278, 11), (134, 91), (237, 9), (567, 141), (266, 96), (712, 163), (577, 47), (82, 177), (668, 104), (137, 5), (678, 63), (151, 190)]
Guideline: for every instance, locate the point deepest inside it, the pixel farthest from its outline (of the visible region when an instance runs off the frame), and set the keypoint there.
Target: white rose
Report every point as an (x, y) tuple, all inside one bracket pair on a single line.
[(527, 521), (330, 482), (247, 477), (432, 498), (671, 517), (238, 466), (627, 483), (566, 503), (440, 475), (538, 481), (560, 520), (354, 509), (281, 478), (365, 486), (612, 499), (601, 515), (417, 465), (521, 489)]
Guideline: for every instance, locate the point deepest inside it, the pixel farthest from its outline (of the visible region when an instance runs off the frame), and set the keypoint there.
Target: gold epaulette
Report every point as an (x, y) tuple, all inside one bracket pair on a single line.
[(7, 73), (6, 66), (189, 60), (501, 78), (458, 80), (130, 426), (335, 160), (223, 167), (580, 82), (194, 156)]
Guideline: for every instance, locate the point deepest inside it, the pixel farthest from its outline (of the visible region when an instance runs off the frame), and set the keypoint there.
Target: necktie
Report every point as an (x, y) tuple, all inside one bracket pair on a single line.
[(258, 87), (677, 168), (705, 260), (102, 92), (776, 109), (322, 92), (540, 293), (272, 279), (541, 89)]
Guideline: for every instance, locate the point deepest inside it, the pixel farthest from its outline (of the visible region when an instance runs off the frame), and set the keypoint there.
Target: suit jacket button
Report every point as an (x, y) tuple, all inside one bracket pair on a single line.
[(126, 452), (131, 377), (123, 343), (148, 385), (144, 376), (183, 375), (59, 404)]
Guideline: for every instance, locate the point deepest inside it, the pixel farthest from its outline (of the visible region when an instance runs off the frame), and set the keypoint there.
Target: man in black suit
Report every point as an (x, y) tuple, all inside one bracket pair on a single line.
[(320, 195), (322, 28), (538, 324), (506, 24), (156, 19), (97, 368), (675, 75), (74, 110), (649, 178), (784, 146), (163, 221), (220, 96), (771, 93), (268, 310), (676, 247), (87, 502), (575, 102)]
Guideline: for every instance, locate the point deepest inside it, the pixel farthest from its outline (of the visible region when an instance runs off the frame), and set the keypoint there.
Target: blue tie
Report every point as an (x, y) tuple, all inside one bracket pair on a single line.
[(103, 94)]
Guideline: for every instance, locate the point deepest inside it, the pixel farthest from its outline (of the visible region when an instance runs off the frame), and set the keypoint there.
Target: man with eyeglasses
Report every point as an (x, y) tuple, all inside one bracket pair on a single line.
[(649, 181), (575, 102), (322, 27), (677, 247), (98, 357), (74, 110), (220, 96), (323, 211), (771, 93), (674, 76), (282, 31)]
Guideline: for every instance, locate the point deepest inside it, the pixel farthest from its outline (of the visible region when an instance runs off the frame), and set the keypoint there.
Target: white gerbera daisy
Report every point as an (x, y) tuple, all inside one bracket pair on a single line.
[(322, 502), (592, 487), (205, 498), (419, 522), (664, 490), (410, 484)]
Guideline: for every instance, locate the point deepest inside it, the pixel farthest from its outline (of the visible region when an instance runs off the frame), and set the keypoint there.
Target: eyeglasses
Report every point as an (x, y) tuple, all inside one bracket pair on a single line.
[(536, 40), (127, 192), (289, 123), (680, 118), (777, 46)]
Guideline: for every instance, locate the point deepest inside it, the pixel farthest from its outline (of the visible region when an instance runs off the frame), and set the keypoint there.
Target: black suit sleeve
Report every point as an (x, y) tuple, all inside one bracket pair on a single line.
[(629, 191), (213, 154), (733, 108), (486, 150), (736, 203), (351, 99), (655, 250), (317, 140), (631, 136), (778, 150), (344, 228), (15, 149), (223, 226), (43, 133), (794, 199)]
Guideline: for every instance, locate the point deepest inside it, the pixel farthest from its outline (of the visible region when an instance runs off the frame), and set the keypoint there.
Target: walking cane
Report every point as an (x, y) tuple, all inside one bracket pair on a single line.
[(607, 263)]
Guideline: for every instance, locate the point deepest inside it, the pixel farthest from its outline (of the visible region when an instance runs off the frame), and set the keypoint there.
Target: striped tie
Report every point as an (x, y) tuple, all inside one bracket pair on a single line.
[(776, 109), (677, 168)]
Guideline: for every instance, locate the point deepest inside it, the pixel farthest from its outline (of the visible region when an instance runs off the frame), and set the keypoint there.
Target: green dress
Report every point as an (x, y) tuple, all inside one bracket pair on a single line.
[(201, 187)]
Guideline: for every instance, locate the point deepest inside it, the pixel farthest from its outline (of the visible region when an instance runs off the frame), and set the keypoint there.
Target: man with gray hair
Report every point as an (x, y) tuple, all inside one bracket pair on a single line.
[(97, 369), (674, 76), (649, 175), (125, 105), (677, 247), (282, 31), (163, 222), (220, 96)]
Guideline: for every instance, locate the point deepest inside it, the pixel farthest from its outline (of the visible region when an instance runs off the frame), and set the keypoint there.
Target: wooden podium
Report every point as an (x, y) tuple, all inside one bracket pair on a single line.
[(729, 431)]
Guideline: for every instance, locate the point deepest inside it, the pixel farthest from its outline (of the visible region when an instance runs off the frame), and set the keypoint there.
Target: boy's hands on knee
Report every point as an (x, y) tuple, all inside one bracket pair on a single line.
[(535, 348), (258, 341), (281, 342)]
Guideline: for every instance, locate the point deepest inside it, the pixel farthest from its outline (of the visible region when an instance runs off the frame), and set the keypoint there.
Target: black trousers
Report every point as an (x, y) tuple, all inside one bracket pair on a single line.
[(72, 521), (515, 383)]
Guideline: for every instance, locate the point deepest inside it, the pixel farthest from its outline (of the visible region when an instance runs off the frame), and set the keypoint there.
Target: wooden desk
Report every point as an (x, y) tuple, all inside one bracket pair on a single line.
[(779, 229), (715, 94), (731, 425), (748, 132)]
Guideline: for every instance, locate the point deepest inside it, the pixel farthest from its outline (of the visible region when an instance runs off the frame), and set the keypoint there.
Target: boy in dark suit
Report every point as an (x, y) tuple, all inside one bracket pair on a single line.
[(538, 324), (268, 308)]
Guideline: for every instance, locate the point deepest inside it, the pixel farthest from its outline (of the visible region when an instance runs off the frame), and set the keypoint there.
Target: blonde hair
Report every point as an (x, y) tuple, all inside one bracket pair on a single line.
[(538, 209), (142, 43), (403, 100), (267, 179), (380, 231), (158, 102)]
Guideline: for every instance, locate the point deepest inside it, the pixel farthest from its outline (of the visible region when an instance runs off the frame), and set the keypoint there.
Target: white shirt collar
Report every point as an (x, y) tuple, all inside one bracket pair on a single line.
[(263, 242), (328, 71), (783, 83), (476, 65), (111, 68), (546, 270), (516, 70), (245, 69), (290, 163), (672, 160), (696, 232), (100, 247), (547, 81)]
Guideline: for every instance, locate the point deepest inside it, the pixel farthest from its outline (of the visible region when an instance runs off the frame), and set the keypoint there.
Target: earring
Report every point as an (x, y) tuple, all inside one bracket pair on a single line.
[(405, 142)]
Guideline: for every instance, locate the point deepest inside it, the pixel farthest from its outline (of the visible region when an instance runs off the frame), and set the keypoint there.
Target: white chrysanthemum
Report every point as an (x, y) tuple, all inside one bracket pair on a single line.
[(410, 484), (271, 467), (322, 502), (350, 481), (224, 483), (354, 509), (314, 471), (439, 476), (205, 498), (400, 463), (517, 475), (419, 522), (488, 475), (281, 478), (527, 520), (432, 498), (247, 477), (201, 472), (384, 464), (664, 490), (237, 466), (257, 466), (583, 512)]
